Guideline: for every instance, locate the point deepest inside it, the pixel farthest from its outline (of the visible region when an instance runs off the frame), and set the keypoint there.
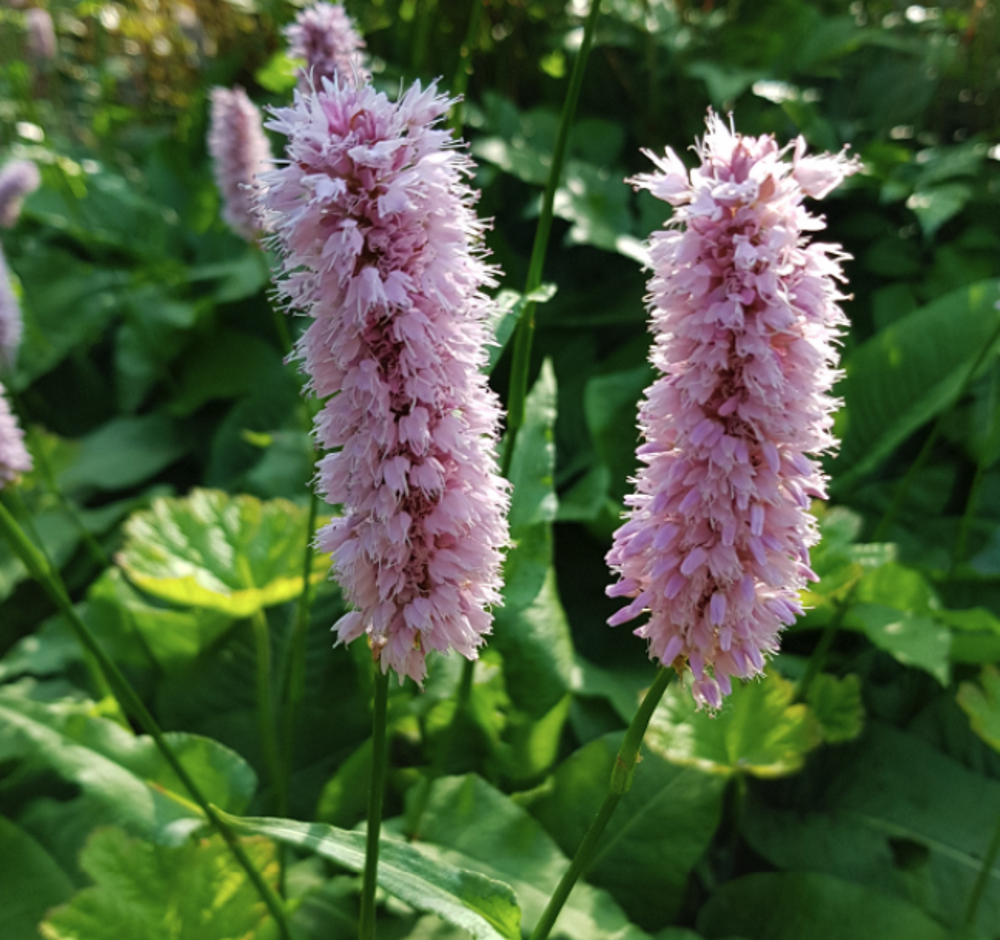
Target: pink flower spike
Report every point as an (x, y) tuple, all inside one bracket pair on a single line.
[(745, 314), (18, 179), (240, 152), (41, 34), (14, 458), (11, 323), (325, 36), (394, 287)]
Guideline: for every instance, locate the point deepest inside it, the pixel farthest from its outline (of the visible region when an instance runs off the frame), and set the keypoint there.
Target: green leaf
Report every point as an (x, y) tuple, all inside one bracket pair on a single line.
[(279, 74), (474, 902), (982, 704), (121, 771), (660, 829), (935, 205), (790, 906), (890, 813), (758, 731), (124, 452), (153, 892), (975, 634), (234, 554), (837, 706), (912, 639), (30, 882), (510, 306), (469, 824), (910, 372), (344, 800)]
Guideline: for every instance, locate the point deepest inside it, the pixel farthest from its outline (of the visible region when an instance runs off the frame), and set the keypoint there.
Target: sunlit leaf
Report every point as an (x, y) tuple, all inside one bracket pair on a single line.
[(837, 706), (913, 639), (981, 702), (233, 554)]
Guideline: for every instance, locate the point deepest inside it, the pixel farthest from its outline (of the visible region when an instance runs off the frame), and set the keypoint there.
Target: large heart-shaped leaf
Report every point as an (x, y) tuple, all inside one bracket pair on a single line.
[(484, 907), (235, 554), (145, 891), (910, 372), (758, 731), (119, 770)]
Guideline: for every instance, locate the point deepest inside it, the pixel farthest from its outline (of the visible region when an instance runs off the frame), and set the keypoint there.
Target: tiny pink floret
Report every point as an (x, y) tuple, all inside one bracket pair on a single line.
[(745, 314), (381, 248)]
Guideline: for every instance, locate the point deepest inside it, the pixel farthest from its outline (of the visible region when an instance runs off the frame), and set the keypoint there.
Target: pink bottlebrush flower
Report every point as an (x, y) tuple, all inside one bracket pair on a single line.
[(744, 310), (240, 152), (18, 179), (325, 36), (41, 35), (11, 323), (382, 249), (14, 457)]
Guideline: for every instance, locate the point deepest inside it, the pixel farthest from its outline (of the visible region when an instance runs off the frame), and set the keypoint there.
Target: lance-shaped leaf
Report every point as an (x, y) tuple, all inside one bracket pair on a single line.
[(758, 731), (235, 554), (510, 306), (119, 770), (145, 891), (982, 704), (480, 905)]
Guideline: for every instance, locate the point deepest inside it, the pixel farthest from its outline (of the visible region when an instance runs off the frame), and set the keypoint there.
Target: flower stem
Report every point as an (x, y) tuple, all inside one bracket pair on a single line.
[(526, 327), (969, 515), (132, 705), (619, 784), (464, 70), (265, 710), (366, 927), (984, 873)]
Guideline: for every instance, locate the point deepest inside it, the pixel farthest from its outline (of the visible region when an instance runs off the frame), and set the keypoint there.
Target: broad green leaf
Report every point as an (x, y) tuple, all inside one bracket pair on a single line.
[(344, 800), (837, 706), (173, 637), (279, 74), (510, 306), (144, 891), (795, 905), (469, 824), (531, 742), (913, 639), (935, 205), (234, 363), (890, 813), (975, 635), (622, 689), (531, 631), (485, 907), (124, 452), (897, 586), (910, 372), (981, 702), (758, 731), (30, 882), (234, 554), (58, 533), (123, 772), (660, 829)]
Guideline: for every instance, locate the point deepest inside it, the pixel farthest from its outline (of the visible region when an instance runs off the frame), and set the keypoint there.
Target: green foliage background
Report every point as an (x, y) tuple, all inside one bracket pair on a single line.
[(853, 793)]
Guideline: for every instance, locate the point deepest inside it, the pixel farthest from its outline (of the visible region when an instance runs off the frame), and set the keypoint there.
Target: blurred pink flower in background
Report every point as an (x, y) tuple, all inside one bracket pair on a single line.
[(41, 34), (325, 36), (14, 458), (383, 250), (18, 179), (240, 151), (745, 315), (11, 324)]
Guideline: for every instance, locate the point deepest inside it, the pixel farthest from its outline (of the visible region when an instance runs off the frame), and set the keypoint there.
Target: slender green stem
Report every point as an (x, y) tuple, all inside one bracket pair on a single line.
[(265, 710), (524, 336), (464, 70), (882, 529), (983, 877), (366, 927), (619, 784), (132, 705), (989, 442)]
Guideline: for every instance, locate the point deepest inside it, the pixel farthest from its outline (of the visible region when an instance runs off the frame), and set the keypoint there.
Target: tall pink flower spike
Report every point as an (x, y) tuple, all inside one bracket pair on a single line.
[(240, 151), (382, 249), (745, 314), (325, 36), (14, 457)]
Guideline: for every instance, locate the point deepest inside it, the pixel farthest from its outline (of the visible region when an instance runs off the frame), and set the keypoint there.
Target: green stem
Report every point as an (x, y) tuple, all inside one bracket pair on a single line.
[(132, 705), (969, 515), (526, 326), (464, 70), (984, 873), (265, 710), (619, 784), (366, 927), (882, 529)]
